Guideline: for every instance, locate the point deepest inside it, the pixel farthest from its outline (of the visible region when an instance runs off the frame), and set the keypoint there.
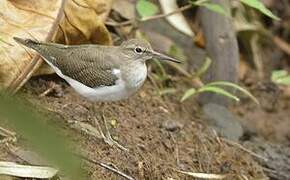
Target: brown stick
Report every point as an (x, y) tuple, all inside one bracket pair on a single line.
[(110, 168), (158, 16), (283, 45)]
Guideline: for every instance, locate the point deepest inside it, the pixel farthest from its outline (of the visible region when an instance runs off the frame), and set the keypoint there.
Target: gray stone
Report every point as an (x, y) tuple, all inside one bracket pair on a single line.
[(171, 125), (275, 157), (223, 121)]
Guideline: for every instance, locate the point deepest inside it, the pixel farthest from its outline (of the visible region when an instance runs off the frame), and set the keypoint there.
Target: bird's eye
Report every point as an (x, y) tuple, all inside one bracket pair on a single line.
[(138, 50)]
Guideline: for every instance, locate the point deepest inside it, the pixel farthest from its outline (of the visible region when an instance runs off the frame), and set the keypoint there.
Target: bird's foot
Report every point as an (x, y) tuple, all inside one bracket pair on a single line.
[(108, 138)]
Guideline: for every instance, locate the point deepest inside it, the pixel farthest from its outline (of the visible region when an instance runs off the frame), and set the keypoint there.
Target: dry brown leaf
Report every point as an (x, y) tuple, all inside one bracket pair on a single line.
[(125, 8), (19, 18), (83, 22), (79, 22), (199, 40), (243, 68)]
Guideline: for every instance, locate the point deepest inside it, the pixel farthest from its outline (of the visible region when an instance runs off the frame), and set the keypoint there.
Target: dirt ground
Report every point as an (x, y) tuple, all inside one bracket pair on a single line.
[(162, 134), (165, 137)]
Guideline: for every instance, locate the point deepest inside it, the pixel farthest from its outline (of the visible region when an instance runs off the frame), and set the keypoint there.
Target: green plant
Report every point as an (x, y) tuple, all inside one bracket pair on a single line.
[(281, 77), (146, 8), (210, 5), (256, 4), (39, 135), (216, 87)]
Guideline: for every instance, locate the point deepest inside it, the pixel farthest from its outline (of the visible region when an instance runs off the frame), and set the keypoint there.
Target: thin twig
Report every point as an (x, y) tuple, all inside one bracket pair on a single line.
[(158, 16), (283, 45), (48, 90), (202, 175), (10, 136), (108, 167), (186, 7), (6, 132), (244, 149)]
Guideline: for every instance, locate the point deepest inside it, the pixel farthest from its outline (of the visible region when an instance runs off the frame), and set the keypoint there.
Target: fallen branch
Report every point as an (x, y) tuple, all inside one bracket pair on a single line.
[(202, 175), (244, 149), (106, 166), (158, 16), (283, 45)]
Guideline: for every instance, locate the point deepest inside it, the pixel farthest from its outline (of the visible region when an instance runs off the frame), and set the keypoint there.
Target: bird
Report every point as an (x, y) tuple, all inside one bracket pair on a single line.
[(99, 73)]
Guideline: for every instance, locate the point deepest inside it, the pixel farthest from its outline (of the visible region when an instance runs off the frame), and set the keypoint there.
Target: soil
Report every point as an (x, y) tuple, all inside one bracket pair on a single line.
[(165, 136), (162, 134)]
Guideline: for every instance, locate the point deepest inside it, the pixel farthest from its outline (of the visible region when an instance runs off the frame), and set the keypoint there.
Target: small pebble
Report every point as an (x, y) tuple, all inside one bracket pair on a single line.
[(171, 125)]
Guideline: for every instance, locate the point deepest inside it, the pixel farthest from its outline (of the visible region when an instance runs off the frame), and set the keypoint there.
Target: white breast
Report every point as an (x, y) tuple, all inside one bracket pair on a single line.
[(136, 76)]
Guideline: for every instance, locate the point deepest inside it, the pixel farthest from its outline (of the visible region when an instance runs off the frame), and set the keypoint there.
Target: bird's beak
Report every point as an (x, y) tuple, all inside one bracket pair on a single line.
[(160, 56)]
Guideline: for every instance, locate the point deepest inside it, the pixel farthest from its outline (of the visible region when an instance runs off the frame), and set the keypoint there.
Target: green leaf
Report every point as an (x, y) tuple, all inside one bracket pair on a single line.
[(161, 70), (211, 6), (215, 8), (41, 136), (257, 4), (190, 92), (146, 8), (277, 74), (284, 80), (204, 67), (235, 86), (280, 77), (218, 90)]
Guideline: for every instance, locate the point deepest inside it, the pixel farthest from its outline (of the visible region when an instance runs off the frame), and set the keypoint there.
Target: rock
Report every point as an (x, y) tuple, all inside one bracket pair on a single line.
[(171, 125), (223, 121), (276, 157)]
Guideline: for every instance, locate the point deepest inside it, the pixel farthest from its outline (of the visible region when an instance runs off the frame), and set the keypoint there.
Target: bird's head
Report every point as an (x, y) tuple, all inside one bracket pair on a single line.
[(140, 50)]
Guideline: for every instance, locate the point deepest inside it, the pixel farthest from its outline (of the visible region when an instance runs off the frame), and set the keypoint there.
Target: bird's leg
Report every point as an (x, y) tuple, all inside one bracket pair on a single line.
[(107, 137), (96, 121)]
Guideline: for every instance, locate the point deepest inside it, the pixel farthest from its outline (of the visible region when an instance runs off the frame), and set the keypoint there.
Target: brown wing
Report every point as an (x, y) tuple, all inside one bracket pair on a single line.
[(92, 76), (88, 64)]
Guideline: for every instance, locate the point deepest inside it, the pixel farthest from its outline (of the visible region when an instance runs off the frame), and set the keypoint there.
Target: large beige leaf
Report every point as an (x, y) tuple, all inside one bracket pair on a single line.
[(83, 22), (62, 21), (22, 18)]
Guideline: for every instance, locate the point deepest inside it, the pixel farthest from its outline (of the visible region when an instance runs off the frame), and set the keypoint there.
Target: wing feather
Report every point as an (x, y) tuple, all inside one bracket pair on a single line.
[(86, 64)]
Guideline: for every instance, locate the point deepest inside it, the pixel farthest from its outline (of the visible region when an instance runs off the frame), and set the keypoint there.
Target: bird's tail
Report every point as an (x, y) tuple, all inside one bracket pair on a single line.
[(28, 43)]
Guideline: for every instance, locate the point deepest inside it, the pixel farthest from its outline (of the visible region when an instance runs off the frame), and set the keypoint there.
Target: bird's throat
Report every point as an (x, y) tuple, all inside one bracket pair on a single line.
[(134, 75)]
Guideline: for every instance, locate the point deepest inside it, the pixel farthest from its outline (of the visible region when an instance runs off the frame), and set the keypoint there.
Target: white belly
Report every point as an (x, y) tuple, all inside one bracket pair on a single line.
[(104, 93)]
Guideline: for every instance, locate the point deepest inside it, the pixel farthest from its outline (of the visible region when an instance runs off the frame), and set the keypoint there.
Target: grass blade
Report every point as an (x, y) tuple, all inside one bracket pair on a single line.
[(40, 136), (218, 90), (229, 84), (257, 4), (190, 92)]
